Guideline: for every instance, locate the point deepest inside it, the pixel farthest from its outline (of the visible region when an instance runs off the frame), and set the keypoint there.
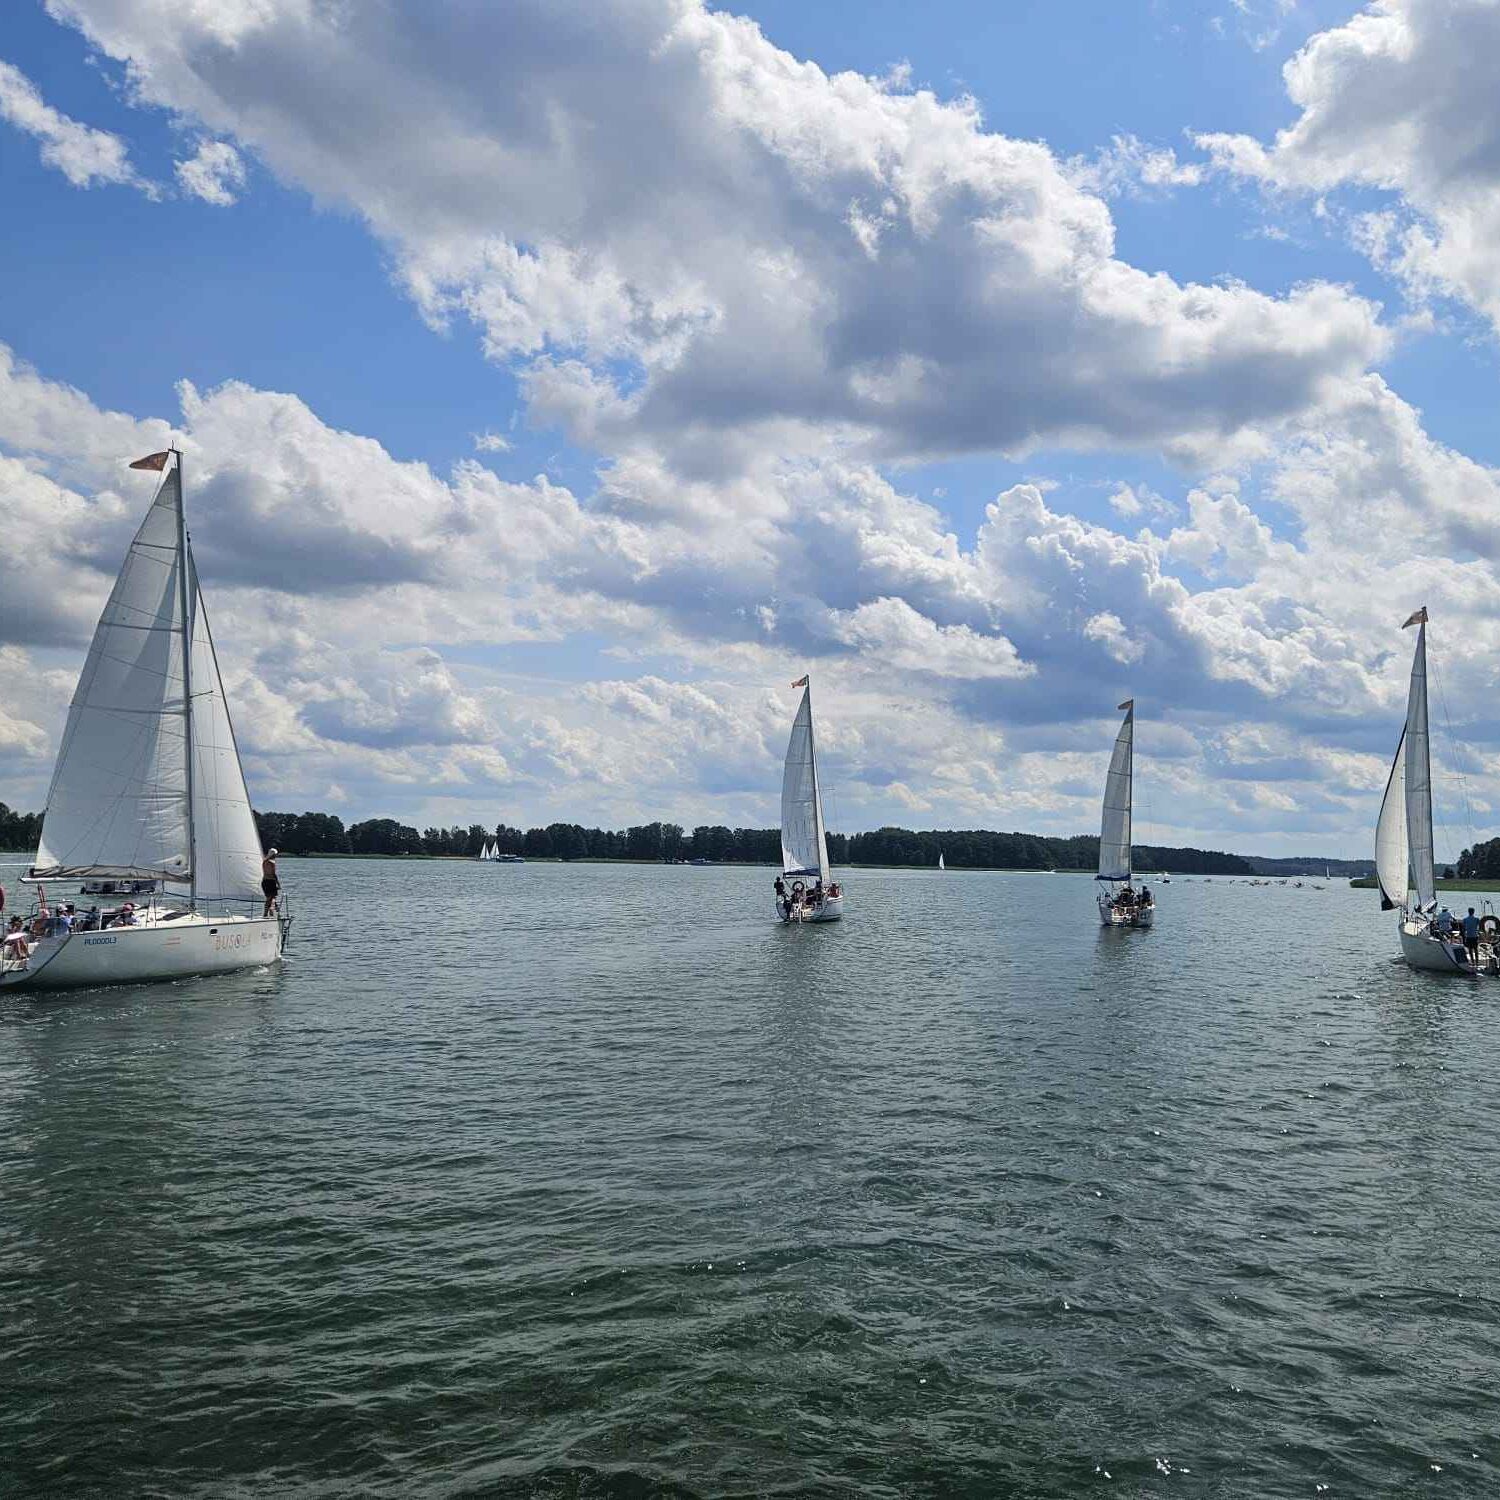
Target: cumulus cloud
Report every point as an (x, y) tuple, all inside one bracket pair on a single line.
[(214, 172), (1399, 99), (84, 155), (772, 253)]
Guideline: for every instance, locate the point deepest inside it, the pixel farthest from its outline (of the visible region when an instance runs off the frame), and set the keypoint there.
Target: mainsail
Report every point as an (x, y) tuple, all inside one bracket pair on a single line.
[(148, 781), (804, 848), (1418, 777), (1114, 828)]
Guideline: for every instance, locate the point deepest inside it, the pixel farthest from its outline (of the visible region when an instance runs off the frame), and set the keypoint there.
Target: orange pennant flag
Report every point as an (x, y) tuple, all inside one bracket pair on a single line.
[(156, 461), (800, 682)]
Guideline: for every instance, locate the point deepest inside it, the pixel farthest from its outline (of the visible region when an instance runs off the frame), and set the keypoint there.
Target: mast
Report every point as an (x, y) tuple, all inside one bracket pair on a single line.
[(187, 678)]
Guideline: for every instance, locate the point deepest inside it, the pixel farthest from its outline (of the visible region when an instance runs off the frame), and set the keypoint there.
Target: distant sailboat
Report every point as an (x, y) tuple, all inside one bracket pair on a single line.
[(1119, 905), (941, 865), (484, 853), (804, 842), (1404, 866), (148, 791)]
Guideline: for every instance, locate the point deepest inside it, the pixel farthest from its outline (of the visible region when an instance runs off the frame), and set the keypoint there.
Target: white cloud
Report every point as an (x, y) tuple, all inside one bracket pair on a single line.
[(84, 155), (774, 256), (1401, 99), (490, 442), (214, 172), (1128, 166)]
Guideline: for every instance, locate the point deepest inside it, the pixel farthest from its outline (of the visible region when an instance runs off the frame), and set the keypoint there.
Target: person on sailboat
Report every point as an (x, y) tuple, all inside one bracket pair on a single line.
[(269, 884), (1470, 926), (14, 943)]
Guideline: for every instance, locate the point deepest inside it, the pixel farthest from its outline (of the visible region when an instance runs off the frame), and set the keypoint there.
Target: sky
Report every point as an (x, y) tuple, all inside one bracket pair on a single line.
[(560, 379)]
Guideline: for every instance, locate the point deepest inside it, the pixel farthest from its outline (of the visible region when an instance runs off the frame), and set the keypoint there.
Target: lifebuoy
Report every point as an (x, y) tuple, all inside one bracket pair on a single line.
[(1489, 925), (797, 886)]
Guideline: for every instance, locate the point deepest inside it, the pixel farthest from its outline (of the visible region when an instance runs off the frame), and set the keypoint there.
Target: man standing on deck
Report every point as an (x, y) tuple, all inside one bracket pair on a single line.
[(1470, 925), (269, 884)]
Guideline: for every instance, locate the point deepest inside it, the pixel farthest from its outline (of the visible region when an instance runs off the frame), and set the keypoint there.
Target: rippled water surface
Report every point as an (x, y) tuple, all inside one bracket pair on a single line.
[(593, 1181)]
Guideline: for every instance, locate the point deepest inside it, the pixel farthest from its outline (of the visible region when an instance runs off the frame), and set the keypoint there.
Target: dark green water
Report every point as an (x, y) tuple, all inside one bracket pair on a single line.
[(594, 1182)]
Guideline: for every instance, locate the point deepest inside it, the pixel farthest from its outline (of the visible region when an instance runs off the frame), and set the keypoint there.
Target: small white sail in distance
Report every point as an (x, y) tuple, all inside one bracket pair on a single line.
[(1114, 826), (941, 865), (804, 844)]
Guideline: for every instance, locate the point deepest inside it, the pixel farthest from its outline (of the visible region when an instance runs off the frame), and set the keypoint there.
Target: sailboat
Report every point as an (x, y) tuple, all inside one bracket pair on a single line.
[(1119, 905), (486, 853), (1404, 866), (804, 843), (148, 792), (941, 865)]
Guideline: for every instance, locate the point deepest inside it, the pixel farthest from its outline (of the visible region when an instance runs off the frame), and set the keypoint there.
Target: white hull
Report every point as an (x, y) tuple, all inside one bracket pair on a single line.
[(192, 944), (1422, 951), (831, 910), (1114, 916)]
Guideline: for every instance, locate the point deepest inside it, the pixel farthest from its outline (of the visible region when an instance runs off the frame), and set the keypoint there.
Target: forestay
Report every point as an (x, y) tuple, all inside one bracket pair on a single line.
[(804, 848), (1114, 828)]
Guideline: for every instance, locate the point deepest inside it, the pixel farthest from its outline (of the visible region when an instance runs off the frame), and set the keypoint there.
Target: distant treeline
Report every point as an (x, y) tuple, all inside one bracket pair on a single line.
[(965, 849), (19, 830), (975, 849), (1482, 862), (1310, 864)]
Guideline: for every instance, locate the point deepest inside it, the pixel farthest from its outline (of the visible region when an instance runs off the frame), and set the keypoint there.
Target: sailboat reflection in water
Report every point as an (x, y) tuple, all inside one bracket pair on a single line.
[(148, 795), (804, 844)]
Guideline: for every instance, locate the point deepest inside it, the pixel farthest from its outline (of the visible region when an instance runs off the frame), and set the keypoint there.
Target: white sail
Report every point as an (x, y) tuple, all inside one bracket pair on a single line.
[(128, 796), (804, 847), (226, 843), (941, 865), (1114, 828), (118, 804), (1418, 779), (1390, 835)]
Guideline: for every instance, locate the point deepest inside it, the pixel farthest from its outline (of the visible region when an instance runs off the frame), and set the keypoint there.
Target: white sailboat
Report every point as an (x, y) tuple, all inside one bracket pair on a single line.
[(486, 852), (1404, 864), (148, 791), (804, 842), (941, 865), (1119, 904)]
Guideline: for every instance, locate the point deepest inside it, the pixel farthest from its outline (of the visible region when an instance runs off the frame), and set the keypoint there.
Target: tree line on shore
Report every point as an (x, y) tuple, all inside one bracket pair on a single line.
[(1482, 862), (973, 849), (978, 849)]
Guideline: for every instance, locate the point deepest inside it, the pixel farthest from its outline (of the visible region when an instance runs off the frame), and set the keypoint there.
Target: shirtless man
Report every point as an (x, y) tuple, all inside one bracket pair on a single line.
[(269, 884)]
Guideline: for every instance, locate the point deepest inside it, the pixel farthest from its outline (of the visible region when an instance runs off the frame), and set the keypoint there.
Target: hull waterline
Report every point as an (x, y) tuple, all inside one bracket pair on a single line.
[(136, 955), (1434, 955)]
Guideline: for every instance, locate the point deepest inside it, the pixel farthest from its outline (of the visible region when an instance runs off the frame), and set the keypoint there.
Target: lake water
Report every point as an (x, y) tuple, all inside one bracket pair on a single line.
[(593, 1181)]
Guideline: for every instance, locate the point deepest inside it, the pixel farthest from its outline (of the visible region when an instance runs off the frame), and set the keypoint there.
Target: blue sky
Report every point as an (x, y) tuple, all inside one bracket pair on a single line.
[(1201, 411)]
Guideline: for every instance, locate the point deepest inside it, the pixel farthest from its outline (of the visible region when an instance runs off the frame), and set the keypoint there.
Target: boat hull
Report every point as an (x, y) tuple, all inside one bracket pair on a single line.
[(135, 955), (1111, 915), (1422, 951), (832, 910)]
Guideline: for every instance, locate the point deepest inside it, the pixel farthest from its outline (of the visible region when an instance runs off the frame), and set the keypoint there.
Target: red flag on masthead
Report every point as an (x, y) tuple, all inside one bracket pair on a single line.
[(800, 682), (1418, 617), (152, 461), (1128, 703)]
